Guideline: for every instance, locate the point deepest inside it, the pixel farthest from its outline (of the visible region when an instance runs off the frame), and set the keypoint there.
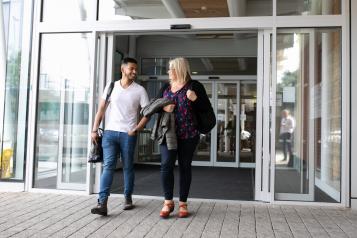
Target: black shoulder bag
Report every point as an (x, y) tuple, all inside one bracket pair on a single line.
[(96, 151)]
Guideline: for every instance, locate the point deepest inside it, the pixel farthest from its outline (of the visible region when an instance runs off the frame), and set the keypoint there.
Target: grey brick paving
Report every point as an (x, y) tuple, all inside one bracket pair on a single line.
[(54, 215)]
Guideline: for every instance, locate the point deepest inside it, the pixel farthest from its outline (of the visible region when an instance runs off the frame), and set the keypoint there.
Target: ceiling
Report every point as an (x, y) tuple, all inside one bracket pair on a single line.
[(204, 8), (161, 9)]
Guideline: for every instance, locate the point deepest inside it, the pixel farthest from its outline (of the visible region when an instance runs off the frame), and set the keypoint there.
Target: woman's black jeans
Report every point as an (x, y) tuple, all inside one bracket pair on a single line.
[(184, 152)]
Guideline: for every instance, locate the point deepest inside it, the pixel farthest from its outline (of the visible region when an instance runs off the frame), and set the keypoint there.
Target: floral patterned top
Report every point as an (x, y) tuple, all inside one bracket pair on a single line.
[(183, 111)]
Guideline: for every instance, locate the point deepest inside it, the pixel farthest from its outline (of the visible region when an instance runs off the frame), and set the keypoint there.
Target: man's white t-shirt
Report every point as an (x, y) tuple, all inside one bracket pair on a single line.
[(287, 125), (122, 112)]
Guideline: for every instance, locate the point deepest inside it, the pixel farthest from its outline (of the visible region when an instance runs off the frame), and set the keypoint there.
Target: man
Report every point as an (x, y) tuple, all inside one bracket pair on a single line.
[(121, 117), (287, 126)]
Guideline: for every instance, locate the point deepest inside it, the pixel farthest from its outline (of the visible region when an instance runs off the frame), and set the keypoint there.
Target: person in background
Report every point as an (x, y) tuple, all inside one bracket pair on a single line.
[(287, 126), (121, 117)]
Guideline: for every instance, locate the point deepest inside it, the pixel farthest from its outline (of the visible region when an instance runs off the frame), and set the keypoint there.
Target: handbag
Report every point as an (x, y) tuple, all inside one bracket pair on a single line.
[(96, 150)]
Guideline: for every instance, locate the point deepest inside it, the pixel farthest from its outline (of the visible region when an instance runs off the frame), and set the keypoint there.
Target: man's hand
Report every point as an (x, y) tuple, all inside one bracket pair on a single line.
[(191, 95), (95, 137), (132, 132), (169, 108)]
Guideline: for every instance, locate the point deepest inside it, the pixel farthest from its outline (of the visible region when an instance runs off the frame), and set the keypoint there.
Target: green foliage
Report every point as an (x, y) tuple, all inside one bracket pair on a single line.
[(13, 69), (288, 80)]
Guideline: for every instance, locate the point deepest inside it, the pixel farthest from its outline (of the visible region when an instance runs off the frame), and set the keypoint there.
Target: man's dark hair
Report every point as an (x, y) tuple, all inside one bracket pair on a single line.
[(127, 60)]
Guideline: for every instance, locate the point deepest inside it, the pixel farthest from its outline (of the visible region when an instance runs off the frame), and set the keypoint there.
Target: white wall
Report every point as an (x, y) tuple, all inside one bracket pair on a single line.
[(353, 104)]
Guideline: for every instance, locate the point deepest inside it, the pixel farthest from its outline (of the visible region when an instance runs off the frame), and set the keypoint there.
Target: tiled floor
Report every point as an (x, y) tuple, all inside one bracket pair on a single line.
[(54, 215)]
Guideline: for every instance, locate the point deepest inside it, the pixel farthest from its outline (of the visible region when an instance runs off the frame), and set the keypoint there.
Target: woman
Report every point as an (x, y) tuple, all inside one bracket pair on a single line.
[(188, 96)]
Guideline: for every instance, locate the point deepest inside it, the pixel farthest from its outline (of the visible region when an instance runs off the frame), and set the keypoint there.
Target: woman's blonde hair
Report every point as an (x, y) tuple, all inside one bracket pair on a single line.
[(182, 69)]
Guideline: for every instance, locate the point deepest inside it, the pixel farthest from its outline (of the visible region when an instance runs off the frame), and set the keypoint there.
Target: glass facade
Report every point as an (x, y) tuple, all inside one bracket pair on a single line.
[(67, 10), (309, 114), (308, 107), (13, 142), (308, 7), (62, 110)]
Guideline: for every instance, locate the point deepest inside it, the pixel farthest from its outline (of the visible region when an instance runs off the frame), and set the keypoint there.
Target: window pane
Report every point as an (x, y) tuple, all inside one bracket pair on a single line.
[(63, 110), (12, 149), (67, 10), (310, 7), (163, 9), (308, 115)]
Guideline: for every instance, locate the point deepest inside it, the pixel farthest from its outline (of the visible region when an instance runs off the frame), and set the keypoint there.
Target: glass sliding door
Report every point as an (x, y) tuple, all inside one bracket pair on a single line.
[(148, 149), (13, 111), (227, 124), (63, 111), (308, 115), (248, 108)]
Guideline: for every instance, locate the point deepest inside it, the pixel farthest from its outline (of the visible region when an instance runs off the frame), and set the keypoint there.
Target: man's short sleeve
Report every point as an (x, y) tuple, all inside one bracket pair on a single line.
[(144, 99), (104, 95)]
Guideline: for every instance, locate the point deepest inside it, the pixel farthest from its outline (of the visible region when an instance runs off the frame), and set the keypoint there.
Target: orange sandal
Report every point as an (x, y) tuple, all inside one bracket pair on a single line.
[(166, 213), (183, 212)]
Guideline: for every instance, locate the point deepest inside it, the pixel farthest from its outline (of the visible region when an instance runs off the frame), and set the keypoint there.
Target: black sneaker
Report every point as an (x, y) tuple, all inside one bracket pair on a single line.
[(128, 204)]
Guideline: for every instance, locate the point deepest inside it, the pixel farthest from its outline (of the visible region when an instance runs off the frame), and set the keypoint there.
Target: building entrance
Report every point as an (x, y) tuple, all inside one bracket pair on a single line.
[(232, 142)]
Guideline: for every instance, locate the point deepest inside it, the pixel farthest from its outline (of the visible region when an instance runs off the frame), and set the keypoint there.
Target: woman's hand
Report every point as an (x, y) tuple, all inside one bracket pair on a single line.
[(169, 108), (191, 95)]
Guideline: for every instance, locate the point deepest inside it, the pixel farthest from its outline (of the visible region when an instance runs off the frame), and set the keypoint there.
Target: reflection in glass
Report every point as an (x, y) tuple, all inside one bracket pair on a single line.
[(67, 10), (164, 9), (312, 7), (13, 142), (308, 114), (226, 122), (248, 105), (62, 110)]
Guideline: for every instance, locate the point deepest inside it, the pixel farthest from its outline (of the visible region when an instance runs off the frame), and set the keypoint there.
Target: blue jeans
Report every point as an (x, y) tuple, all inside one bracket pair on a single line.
[(115, 143), (184, 152)]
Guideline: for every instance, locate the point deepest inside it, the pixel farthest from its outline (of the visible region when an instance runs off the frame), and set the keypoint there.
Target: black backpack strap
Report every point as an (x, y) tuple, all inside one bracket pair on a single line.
[(110, 90)]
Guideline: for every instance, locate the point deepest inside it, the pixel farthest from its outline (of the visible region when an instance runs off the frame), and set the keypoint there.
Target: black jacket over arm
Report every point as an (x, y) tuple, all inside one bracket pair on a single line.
[(202, 102)]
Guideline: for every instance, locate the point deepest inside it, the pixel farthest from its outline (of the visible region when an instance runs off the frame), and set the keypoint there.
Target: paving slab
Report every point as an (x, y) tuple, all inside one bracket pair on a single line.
[(58, 215)]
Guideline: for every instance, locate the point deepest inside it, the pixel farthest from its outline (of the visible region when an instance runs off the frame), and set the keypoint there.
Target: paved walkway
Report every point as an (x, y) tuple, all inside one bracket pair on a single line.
[(53, 215)]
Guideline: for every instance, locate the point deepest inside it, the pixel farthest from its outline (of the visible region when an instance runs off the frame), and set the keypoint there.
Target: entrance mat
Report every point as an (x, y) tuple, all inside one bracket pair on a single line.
[(207, 182)]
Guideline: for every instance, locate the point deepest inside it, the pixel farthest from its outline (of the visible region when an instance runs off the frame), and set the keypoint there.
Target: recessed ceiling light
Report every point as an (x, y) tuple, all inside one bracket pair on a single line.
[(204, 8)]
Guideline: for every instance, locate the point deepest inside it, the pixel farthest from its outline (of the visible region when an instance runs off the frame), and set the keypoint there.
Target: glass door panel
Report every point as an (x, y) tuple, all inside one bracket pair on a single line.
[(248, 106), (226, 123), (308, 115), (63, 112)]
